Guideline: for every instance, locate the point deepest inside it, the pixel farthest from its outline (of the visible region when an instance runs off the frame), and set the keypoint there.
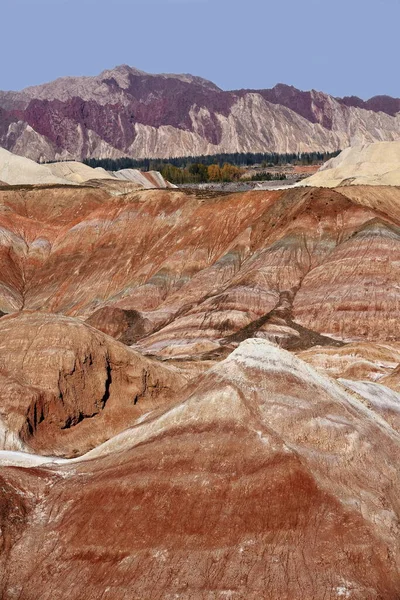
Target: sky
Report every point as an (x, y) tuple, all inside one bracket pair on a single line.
[(342, 47)]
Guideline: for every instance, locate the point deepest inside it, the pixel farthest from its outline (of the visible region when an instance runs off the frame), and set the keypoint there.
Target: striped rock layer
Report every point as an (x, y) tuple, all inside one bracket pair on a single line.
[(199, 394)]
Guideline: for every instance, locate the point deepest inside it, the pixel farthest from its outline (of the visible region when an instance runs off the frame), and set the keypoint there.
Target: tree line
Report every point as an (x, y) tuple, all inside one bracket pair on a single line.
[(201, 173), (241, 160)]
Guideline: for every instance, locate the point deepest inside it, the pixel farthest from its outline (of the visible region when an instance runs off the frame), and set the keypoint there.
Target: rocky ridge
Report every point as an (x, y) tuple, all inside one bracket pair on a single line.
[(126, 112)]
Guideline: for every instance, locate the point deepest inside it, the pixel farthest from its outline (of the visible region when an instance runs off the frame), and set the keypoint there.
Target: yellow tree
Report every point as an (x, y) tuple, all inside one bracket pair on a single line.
[(230, 172), (214, 173)]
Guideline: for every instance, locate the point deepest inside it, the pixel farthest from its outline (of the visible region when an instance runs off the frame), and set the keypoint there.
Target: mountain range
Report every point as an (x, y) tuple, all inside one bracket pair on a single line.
[(126, 112)]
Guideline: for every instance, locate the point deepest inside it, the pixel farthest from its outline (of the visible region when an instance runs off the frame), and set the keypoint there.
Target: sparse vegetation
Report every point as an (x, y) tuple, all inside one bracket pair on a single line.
[(267, 177)]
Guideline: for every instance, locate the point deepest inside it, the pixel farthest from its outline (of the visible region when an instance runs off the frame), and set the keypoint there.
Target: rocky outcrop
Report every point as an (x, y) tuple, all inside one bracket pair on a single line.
[(125, 112), (66, 387), (128, 326)]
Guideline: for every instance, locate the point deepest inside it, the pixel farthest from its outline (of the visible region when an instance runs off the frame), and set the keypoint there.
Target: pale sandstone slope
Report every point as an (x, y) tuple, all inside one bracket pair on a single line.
[(368, 164), (146, 180), (77, 172), (16, 170)]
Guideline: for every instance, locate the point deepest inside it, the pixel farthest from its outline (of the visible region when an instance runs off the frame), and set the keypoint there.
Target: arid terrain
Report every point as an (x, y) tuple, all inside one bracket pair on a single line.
[(200, 391), (368, 164), (19, 170), (126, 112)]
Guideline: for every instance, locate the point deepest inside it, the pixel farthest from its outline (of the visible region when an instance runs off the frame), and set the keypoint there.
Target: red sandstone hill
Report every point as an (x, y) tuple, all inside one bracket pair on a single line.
[(183, 275), (267, 480), (199, 394), (125, 112)]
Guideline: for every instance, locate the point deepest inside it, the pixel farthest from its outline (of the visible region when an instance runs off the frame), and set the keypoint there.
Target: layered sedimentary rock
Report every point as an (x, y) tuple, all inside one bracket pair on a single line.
[(220, 465), (354, 294), (301, 240), (393, 379), (268, 480), (377, 397), (65, 387), (127, 326), (125, 112), (196, 273), (367, 361)]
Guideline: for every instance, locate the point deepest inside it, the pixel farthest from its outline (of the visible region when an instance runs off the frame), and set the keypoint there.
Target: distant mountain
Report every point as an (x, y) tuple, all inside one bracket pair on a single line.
[(126, 112)]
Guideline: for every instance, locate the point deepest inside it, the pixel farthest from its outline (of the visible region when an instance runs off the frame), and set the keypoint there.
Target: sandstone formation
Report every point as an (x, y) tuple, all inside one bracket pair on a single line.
[(393, 379), (126, 112), (199, 392), (364, 361), (16, 170), (128, 326), (65, 387), (146, 180), (369, 164), (274, 264), (284, 487), (338, 298), (377, 397), (77, 172)]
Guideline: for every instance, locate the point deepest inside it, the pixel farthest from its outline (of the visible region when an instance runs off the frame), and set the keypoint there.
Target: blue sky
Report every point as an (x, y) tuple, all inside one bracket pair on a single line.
[(343, 47)]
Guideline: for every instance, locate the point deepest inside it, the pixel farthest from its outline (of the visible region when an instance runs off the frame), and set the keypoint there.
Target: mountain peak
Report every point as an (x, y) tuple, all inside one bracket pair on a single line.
[(284, 87), (126, 70), (121, 70)]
